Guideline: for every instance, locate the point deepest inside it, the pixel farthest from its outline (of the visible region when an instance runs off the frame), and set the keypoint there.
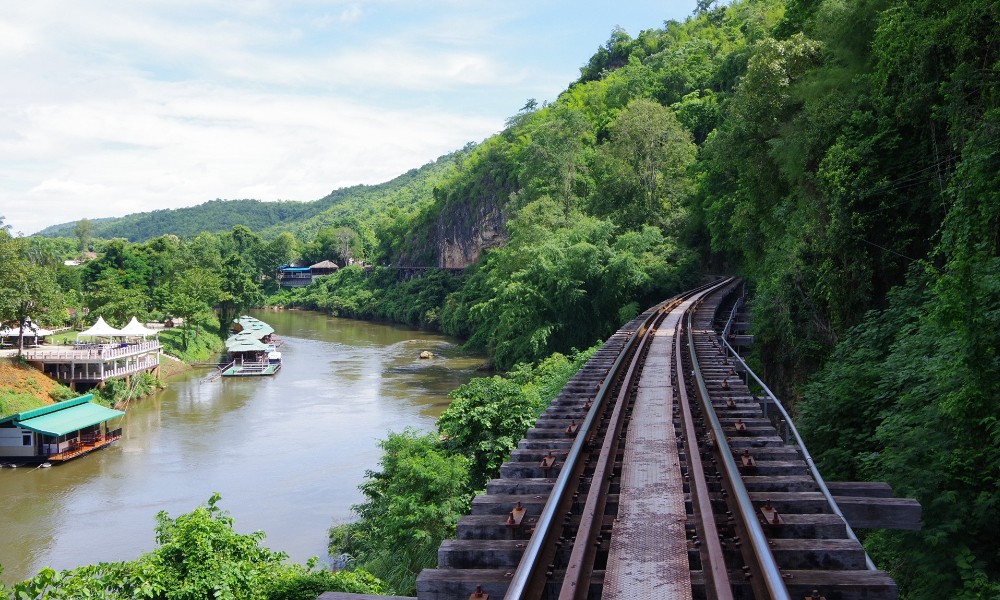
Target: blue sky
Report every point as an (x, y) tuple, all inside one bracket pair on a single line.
[(113, 107)]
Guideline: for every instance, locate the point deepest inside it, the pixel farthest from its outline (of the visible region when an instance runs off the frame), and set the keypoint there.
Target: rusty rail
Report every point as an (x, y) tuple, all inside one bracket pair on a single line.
[(765, 559), (717, 576), (528, 579)]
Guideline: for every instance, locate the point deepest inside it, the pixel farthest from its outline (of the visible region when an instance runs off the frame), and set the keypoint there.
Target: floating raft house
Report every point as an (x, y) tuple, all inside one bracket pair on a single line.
[(57, 432), (251, 350)]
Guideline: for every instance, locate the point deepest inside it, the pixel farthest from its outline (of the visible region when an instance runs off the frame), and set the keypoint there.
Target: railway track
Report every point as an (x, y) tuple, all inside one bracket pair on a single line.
[(657, 474)]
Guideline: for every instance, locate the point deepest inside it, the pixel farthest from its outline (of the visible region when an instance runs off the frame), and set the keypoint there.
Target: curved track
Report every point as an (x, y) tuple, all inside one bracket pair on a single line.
[(656, 474)]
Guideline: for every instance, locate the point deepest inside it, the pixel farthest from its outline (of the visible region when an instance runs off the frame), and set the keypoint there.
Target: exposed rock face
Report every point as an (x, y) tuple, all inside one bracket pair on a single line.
[(465, 231)]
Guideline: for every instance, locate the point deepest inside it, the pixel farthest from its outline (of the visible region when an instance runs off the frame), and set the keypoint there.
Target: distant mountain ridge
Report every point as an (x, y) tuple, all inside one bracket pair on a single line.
[(302, 218)]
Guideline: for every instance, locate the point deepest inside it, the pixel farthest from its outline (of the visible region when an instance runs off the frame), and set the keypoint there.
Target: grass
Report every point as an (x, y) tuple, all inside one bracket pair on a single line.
[(199, 349), (23, 387), (63, 337), (15, 401)]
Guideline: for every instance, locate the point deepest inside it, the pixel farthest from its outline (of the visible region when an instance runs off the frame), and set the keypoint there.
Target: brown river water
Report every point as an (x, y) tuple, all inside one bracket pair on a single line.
[(285, 452)]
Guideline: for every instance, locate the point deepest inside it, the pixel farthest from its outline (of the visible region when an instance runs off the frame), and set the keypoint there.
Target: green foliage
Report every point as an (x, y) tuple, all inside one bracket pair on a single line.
[(427, 480), (14, 401), (559, 284), (26, 289), (83, 231), (119, 392), (337, 244), (486, 419), (412, 504), (199, 555), (349, 292), (189, 347)]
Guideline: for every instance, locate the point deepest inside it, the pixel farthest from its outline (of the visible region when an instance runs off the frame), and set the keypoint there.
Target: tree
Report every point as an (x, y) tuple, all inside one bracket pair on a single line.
[(192, 297), (338, 244), (486, 419), (280, 251), (25, 289), (654, 152), (554, 155), (116, 302), (238, 290), (82, 232)]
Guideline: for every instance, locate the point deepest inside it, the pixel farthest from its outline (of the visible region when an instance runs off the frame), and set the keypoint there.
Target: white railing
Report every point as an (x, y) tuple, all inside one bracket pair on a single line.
[(106, 352), (96, 375)]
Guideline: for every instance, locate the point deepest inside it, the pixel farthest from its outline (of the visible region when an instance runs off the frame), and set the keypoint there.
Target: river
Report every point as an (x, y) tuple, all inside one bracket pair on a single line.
[(285, 452)]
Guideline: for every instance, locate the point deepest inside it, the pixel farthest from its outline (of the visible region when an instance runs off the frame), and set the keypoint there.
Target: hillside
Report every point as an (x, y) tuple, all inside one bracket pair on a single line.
[(24, 388), (303, 219)]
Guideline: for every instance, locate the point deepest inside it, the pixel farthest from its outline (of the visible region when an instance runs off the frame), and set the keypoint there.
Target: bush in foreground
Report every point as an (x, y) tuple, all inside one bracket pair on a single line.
[(199, 556)]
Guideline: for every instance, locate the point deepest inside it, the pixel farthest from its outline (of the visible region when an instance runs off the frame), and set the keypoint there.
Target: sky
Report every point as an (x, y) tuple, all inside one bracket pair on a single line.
[(109, 107)]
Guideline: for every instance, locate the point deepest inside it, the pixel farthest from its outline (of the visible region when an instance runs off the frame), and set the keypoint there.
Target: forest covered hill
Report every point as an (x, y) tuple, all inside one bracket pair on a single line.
[(304, 219)]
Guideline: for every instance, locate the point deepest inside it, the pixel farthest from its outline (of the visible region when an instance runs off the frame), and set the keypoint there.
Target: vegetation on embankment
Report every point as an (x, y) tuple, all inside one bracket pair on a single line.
[(193, 343), (554, 286), (427, 480), (198, 556), (23, 387)]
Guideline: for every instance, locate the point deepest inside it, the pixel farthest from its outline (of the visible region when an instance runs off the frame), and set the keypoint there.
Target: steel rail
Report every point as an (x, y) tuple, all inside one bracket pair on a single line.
[(806, 456), (758, 541), (579, 568), (700, 498), (717, 576), (527, 570)]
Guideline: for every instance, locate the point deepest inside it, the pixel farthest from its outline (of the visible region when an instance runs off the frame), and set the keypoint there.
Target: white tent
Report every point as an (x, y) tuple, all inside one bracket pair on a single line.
[(134, 327), (30, 330), (101, 329)]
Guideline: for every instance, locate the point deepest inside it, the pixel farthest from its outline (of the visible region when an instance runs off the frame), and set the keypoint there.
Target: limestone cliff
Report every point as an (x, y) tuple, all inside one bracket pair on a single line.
[(463, 232)]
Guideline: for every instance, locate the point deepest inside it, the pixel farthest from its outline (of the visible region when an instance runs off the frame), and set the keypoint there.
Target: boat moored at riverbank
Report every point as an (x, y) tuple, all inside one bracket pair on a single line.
[(252, 349), (58, 432)]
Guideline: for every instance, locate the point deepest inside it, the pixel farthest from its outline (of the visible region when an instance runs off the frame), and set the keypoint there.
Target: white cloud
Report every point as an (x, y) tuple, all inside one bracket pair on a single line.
[(177, 145), (351, 14), (114, 107)]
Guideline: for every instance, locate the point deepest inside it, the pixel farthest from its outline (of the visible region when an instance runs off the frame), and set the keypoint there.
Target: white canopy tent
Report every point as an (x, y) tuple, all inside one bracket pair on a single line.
[(101, 329), (30, 330), (135, 328)]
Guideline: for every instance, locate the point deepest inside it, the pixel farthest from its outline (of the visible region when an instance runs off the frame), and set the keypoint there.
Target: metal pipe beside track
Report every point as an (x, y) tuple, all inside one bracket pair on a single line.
[(806, 456), (758, 541), (798, 438)]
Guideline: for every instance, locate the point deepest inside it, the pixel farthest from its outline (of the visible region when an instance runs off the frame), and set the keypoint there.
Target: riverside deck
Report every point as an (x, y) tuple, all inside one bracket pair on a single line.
[(94, 364), (251, 369)]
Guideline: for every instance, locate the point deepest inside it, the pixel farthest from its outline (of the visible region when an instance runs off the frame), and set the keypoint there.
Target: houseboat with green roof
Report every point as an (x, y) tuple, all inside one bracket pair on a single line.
[(57, 433), (252, 349)]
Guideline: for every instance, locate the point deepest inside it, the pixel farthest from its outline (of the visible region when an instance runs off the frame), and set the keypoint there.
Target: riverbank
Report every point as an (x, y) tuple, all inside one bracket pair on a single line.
[(23, 387)]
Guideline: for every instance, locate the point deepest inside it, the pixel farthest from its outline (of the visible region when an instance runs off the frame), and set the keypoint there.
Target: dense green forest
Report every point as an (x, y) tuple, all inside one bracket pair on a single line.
[(204, 280), (842, 155)]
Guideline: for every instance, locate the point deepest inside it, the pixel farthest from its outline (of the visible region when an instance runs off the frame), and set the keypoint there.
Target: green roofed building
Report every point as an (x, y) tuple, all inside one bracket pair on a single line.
[(251, 349), (58, 432)]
